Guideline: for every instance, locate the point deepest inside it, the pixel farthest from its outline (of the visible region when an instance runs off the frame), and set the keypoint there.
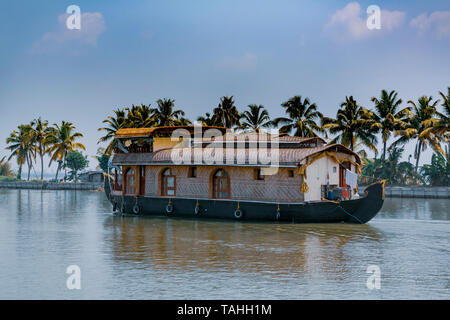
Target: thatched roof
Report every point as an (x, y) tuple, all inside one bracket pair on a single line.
[(287, 157), (149, 132)]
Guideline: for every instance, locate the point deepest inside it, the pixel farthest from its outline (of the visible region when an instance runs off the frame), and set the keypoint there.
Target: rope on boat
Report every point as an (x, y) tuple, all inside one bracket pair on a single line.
[(343, 209)]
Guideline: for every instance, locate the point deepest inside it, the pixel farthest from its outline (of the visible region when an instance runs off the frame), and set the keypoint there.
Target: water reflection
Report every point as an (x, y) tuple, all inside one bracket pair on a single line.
[(280, 249), (42, 232), (418, 209)]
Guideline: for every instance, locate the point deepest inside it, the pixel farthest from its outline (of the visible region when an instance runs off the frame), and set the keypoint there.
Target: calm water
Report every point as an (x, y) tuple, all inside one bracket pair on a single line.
[(42, 233)]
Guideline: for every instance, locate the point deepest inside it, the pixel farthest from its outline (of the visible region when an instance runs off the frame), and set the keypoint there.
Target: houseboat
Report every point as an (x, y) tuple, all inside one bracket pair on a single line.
[(210, 172)]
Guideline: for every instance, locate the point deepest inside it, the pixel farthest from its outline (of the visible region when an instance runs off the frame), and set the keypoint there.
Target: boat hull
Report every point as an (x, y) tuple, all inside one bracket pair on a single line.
[(359, 210)]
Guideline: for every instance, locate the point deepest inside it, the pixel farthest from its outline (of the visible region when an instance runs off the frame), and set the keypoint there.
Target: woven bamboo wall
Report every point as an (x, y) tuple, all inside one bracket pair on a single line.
[(278, 187)]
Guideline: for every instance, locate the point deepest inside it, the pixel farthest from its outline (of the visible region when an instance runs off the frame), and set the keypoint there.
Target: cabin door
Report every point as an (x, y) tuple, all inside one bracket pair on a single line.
[(130, 178), (142, 180), (221, 185), (342, 168)]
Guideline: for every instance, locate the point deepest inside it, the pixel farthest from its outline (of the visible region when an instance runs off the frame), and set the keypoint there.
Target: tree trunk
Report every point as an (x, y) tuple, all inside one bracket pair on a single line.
[(42, 161), (417, 162), (29, 168), (384, 151), (57, 171), (19, 174)]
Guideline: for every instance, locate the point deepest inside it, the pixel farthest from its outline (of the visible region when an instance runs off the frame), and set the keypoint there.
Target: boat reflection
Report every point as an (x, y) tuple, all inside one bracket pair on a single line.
[(184, 245)]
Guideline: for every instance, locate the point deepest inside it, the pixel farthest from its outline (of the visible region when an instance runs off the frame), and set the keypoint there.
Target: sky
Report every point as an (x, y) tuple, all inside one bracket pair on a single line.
[(261, 52)]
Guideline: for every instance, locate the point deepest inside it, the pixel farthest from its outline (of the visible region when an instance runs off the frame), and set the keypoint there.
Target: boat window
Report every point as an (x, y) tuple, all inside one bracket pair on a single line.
[(221, 185), (258, 174), (168, 183), (192, 172)]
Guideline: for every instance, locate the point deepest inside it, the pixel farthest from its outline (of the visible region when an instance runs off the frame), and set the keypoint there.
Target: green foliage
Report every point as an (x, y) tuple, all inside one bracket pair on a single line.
[(255, 118), (5, 169), (103, 162), (8, 179), (391, 169), (76, 162), (303, 118), (438, 172)]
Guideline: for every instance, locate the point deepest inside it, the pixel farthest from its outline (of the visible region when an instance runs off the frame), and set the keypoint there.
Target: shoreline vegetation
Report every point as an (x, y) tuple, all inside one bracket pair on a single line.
[(425, 122)]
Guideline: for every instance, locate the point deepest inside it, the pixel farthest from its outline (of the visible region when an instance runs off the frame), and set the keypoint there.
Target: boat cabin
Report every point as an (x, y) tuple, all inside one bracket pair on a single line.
[(212, 163)]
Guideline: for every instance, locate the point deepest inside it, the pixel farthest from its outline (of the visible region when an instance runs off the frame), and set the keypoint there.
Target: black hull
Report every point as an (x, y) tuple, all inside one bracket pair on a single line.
[(359, 210)]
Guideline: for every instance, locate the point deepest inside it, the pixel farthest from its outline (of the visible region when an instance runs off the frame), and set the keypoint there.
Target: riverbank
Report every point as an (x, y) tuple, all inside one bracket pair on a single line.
[(45, 185), (414, 192)]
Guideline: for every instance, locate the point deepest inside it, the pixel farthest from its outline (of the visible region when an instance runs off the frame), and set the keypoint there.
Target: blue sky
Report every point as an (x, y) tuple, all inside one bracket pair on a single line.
[(263, 52)]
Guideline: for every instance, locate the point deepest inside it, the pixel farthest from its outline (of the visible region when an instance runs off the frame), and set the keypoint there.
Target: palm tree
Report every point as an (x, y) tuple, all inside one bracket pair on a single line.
[(5, 169), (20, 143), (209, 120), (438, 172), (255, 118), (441, 126), (165, 115), (113, 123), (61, 141), (302, 117), (419, 121), (351, 126), (40, 132), (386, 116), (226, 113), (139, 117)]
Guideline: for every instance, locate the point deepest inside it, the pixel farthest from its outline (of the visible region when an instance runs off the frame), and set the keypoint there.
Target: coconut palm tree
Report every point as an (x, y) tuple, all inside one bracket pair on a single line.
[(40, 132), (113, 123), (440, 126), (255, 118), (419, 121), (140, 117), (226, 113), (351, 126), (5, 169), (165, 115), (386, 117), (208, 120), (302, 117), (20, 143), (62, 140)]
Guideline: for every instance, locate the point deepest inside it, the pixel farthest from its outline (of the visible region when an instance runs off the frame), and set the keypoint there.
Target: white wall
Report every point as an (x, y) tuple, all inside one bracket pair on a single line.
[(316, 174)]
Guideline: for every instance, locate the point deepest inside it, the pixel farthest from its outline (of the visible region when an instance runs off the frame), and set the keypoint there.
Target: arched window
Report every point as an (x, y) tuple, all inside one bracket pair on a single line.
[(221, 185), (130, 179), (169, 184)]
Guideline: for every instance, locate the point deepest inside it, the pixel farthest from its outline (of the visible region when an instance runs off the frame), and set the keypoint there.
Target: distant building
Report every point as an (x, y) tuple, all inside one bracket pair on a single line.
[(91, 176)]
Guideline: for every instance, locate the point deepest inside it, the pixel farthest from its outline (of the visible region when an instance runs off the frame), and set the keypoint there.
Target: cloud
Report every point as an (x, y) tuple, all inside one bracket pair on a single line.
[(350, 23), (438, 23), (246, 62), (92, 26)]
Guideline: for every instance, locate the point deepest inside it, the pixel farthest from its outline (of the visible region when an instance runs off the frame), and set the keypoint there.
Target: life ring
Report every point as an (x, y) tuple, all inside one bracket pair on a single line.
[(238, 214), (197, 210), (169, 208), (136, 209)]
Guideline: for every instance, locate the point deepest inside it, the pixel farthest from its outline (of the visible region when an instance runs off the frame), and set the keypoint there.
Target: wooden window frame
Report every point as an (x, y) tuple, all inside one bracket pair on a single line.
[(258, 174), (291, 174), (192, 172), (164, 187)]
